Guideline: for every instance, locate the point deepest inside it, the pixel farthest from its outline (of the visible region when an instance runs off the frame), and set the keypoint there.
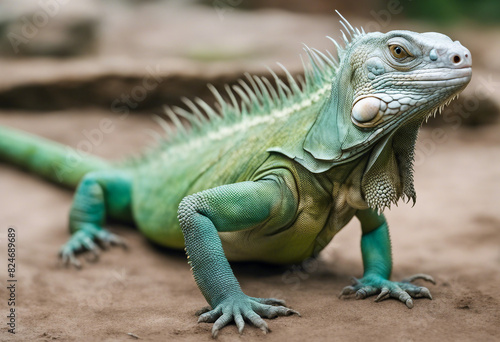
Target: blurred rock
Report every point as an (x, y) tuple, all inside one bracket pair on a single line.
[(59, 28), (121, 89), (311, 6)]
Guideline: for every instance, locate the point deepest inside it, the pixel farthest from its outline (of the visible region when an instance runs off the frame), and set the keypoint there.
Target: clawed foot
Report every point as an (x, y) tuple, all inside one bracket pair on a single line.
[(91, 239), (239, 308), (404, 290)]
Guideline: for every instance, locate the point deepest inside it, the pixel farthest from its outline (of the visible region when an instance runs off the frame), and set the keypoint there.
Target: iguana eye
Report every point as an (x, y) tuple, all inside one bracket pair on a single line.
[(398, 51)]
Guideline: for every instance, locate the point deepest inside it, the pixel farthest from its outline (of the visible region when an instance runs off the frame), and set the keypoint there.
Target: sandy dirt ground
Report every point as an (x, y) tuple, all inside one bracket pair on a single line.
[(452, 233)]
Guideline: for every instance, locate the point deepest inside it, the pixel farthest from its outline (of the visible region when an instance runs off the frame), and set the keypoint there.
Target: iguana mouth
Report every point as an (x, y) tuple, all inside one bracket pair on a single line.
[(391, 116), (371, 110), (437, 74)]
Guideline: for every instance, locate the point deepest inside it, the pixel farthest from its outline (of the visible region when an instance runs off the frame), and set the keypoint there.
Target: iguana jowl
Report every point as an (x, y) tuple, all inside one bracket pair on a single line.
[(275, 176)]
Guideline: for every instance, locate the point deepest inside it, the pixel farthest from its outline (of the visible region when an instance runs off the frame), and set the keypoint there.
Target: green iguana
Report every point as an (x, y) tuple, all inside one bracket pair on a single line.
[(275, 175)]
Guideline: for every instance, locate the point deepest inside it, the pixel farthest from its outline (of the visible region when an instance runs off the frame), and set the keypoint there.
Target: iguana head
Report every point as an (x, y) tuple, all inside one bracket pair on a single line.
[(403, 76), (387, 84)]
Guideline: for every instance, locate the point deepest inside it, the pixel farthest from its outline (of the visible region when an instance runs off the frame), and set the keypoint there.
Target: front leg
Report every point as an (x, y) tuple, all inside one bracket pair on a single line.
[(223, 209), (377, 263)]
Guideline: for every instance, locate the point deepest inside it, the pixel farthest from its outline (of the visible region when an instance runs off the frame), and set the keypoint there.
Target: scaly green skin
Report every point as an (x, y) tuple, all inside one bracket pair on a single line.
[(275, 180)]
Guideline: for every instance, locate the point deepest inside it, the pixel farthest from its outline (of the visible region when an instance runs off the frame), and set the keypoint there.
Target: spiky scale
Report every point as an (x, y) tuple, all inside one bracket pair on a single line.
[(193, 119), (212, 115), (338, 48), (325, 58), (255, 88), (283, 91), (194, 109), (236, 107), (347, 30), (173, 117), (274, 95), (244, 97), (346, 41), (316, 67), (266, 97), (222, 103), (294, 86), (344, 20), (252, 96)]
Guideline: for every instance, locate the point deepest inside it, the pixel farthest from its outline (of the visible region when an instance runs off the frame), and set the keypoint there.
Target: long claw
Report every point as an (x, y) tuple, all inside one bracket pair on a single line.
[(220, 323), (123, 244), (419, 276), (424, 292), (63, 258), (365, 291), (203, 310), (105, 245), (239, 321), (405, 298), (206, 319), (118, 241), (355, 281), (94, 250), (269, 311), (383, 294), (270, 301), (108, 239), (210, 316), (95, 256), (347, 291), (258, 322), (74, 261)]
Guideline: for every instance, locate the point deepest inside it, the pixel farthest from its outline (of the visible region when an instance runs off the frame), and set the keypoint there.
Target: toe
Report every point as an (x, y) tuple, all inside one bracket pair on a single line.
[(418, 291), (67, 256), (348, 290), (220, 323), (257, 321), (239, 321), (210, 316), (269, 311), (74, 261), (270, 301), (424, 292), (402, 296), (109, 239), (203, 310), (118, 241), (93, 249), (419, 276), (366, 291), (384, 294)]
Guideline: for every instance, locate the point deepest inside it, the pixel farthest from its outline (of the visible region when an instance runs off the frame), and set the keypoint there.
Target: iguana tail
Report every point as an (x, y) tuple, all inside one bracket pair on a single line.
[(55, 162)]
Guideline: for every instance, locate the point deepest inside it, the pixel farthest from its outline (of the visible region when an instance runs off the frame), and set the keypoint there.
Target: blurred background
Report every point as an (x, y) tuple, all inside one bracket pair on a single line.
[(64, 55), (68, 67)]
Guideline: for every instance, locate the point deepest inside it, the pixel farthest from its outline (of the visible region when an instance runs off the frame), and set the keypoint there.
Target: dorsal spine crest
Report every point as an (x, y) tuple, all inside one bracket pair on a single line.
[(257, 95)]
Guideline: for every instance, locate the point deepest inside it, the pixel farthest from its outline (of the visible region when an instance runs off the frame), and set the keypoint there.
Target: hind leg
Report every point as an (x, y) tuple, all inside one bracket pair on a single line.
[(100, 196)]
